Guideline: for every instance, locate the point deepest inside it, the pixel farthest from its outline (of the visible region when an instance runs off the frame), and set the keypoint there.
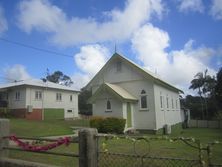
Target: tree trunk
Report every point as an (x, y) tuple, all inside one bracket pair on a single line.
[(202, 107)]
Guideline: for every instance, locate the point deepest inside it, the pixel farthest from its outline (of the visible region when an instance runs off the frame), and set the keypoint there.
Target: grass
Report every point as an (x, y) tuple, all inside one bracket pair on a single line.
[(156, 147), (52, 113), (30, 128)]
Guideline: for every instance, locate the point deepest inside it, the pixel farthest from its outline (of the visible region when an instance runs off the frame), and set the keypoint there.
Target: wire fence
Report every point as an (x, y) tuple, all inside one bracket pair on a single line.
[(107, 159), (156, 152)]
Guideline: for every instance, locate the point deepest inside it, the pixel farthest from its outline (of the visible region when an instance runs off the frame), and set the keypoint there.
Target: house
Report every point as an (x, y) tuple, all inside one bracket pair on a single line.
[(38, 100), (124, 89)]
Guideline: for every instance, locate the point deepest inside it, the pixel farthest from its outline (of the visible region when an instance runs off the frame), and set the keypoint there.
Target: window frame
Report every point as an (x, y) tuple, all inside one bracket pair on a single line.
[(161, 101), (17, 96), (143, 94), (177, 104), (70, 98), (108, 103), (167, 102), (172, 103), (58, 97), (38, 95), (69, 111)]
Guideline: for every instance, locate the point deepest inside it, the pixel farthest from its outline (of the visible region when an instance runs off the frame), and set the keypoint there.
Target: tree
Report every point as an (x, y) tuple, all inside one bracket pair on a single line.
[(197, 83), (58, 77), (205, 85), (218, 88), (84, 107)]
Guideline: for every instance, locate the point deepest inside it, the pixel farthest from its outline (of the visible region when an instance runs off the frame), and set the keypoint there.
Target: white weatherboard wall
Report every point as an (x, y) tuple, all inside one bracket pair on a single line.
[(134, 83), (12, 102), (142, 119), (110, 75), (99, 108), (171, 115), (49, 100)]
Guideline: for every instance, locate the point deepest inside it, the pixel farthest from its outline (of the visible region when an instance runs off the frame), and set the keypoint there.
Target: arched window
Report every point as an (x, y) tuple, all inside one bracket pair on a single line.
[(108, 105), (143, 100)]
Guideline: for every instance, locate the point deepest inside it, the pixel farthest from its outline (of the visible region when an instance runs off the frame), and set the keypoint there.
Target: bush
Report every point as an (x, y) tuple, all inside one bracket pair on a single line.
[(4, 112), (96, 122), (108, 125)]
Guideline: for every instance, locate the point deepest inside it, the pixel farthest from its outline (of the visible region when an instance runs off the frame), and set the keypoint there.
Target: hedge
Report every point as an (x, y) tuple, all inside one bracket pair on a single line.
[(108, 125)]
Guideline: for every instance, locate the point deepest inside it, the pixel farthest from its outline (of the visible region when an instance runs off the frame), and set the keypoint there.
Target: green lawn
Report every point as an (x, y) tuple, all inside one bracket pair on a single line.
[(158, 148), (30, 128)]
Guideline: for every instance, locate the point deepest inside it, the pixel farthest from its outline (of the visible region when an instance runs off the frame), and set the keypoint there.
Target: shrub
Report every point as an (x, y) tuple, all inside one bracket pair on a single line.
[(4, 112), (96, 122), (108, 125)]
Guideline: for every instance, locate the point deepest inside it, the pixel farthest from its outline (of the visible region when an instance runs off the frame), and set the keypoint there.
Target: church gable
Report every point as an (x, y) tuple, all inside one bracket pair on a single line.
[(116, 70), (119, 71)]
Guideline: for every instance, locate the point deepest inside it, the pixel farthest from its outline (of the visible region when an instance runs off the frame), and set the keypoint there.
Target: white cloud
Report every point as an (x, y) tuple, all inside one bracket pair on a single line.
[(3, 21), (216, 9), (191, 5), (16, 72), (41, 15), (150, 43), (80, 80), (89, 60)]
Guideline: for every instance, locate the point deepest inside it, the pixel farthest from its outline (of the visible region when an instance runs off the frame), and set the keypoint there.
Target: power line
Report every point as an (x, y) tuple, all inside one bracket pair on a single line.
[(35, 48)]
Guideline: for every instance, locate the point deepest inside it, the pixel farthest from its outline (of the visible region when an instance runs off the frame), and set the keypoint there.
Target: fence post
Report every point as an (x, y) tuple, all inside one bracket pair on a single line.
[(88, 148), (4, 131)]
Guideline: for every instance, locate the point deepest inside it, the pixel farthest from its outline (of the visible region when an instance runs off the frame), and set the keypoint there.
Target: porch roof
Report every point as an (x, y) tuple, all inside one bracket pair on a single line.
[(115, 90)]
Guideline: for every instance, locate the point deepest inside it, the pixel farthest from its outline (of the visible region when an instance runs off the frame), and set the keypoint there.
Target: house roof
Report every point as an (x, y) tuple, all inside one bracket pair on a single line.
[(38, 83), (145, 72), (114, 89)]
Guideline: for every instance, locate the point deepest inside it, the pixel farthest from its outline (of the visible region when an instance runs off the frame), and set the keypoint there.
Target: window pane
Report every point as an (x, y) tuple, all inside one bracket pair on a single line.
[(58, 96), (161, 101), (40, 95), (36, 95), (143, 102), (69, 110), (167, 102), (108, 105)]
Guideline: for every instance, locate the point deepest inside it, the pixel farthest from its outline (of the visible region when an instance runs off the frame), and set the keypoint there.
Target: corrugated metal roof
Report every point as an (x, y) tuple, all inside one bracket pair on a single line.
[(37, 82), (121, 92), (116, 90)]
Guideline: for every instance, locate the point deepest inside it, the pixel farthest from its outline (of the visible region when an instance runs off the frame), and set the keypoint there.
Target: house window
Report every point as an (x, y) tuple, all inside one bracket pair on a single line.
[(58, 97), (17, 95), (176, 104), (161, 101), (108, 105), (143, 100), (118, 66), (172, 104), (38, 95), (70, 97), (69, 111), (167, 101)]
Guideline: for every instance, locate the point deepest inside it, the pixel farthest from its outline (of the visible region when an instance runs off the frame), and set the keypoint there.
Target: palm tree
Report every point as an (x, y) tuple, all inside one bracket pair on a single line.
[(197, 83)]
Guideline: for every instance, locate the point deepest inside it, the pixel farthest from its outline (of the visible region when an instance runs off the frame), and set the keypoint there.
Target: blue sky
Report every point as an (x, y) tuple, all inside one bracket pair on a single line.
[(175, 38)]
